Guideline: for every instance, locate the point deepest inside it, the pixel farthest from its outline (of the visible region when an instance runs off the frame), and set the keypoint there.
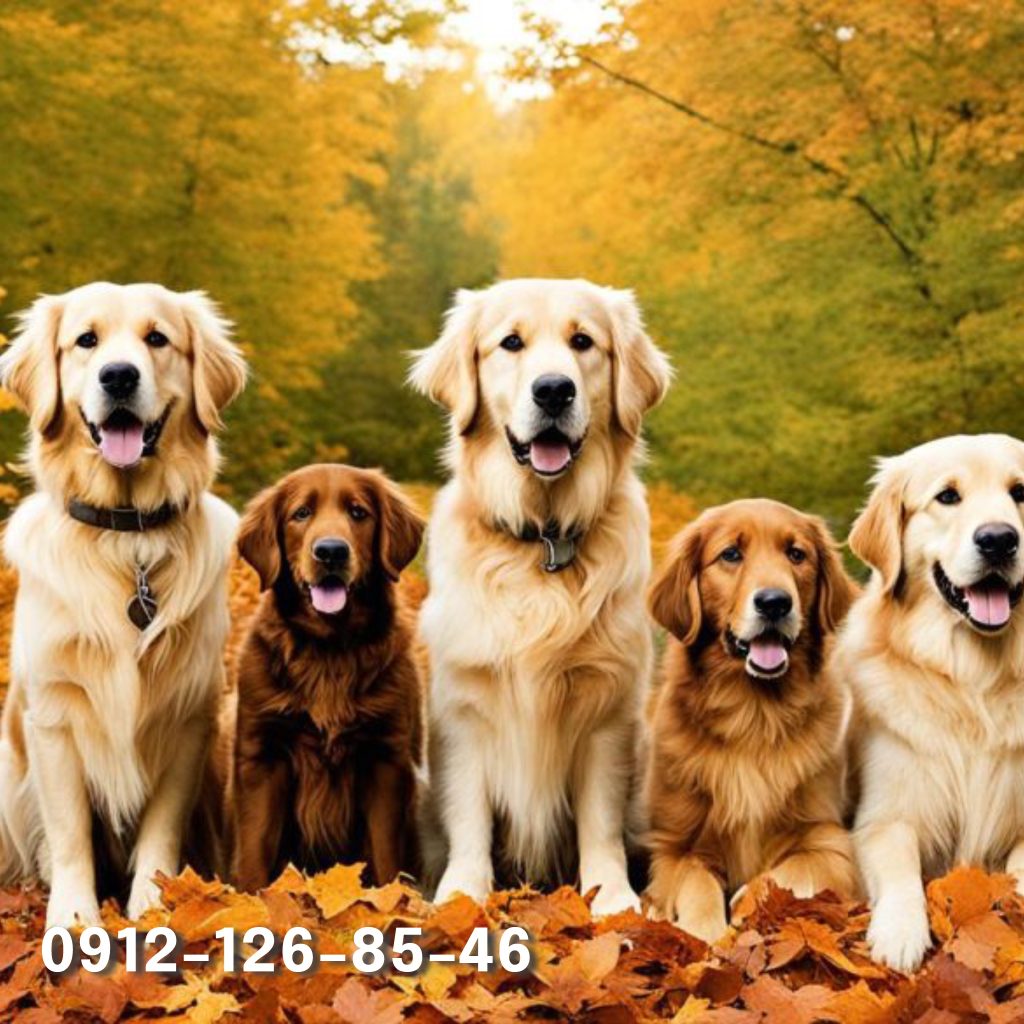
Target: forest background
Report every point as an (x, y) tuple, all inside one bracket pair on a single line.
[(819, 204)]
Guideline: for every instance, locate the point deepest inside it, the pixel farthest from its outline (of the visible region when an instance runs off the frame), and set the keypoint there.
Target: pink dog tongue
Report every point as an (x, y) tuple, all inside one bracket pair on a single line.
[(328, 600), (549, 458), (767, 654), (989, 606), (122, 446)]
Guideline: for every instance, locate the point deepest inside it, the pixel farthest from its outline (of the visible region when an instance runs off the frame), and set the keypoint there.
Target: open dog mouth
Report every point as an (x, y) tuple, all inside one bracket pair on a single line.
[(766, 656), (329, 596), (548, 454), (986, 604), (123, 439)]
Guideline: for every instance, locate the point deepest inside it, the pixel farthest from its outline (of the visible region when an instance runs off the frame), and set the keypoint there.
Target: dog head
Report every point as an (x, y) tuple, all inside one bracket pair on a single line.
[(758, 578), (122, 377), (944, 523), (327, 533), (543, 364)]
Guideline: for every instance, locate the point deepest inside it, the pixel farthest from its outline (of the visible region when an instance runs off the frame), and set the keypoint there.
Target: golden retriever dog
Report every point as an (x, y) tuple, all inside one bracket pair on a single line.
[(330, 703), (935, 653), (121, 612), (747, 761), (538, 561)]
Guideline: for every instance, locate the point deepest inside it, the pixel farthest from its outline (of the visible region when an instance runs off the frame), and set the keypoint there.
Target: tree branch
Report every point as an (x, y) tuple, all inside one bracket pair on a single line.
[(787, 148)]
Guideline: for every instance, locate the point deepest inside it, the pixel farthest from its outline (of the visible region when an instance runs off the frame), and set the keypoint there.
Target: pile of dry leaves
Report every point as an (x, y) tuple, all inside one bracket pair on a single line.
[(792, 961)]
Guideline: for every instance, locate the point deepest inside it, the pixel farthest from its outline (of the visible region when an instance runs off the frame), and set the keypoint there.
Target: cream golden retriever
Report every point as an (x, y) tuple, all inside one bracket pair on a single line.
[(935, 652), (121, 611), (538, 562)]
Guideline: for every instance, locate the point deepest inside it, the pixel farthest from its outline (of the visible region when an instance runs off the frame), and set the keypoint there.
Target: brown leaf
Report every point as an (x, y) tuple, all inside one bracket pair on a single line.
[(963, 894), (356, 1003), (781, 1006)]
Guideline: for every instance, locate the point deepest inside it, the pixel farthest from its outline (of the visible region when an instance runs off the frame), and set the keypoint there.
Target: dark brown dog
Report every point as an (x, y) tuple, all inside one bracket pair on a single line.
[(747, 758), (330, 707)]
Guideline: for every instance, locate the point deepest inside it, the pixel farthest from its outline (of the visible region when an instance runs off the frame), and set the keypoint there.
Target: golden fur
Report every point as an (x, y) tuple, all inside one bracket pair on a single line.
[(105, 727), (745, 774), (939, 705), (538, 678)]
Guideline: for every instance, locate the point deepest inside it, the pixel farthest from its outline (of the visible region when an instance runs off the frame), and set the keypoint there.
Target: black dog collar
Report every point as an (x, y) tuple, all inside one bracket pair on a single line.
[(559, 547), (122, 520)]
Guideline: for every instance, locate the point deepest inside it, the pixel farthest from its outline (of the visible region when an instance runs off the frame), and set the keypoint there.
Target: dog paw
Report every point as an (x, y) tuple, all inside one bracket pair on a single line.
[(144, 896), (72, 908), (898, 935), (475, 884), (709, 928), (613, 898)]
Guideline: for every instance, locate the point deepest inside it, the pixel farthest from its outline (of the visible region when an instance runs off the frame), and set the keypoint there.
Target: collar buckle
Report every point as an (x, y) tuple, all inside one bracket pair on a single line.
[(559, 552)]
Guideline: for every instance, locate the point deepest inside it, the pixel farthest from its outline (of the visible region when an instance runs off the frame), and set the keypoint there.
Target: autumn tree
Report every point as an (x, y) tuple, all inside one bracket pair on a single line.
[(822, 207)]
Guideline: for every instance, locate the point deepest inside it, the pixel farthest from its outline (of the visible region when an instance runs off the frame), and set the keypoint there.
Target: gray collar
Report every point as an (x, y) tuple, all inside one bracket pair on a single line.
[(559, 545)]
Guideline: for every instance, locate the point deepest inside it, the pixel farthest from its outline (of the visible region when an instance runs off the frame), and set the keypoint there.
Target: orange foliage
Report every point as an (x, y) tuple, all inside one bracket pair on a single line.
[(790, 961)]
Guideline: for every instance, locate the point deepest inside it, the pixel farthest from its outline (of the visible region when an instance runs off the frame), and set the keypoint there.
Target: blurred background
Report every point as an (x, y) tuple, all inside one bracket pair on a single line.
[(819, 204)]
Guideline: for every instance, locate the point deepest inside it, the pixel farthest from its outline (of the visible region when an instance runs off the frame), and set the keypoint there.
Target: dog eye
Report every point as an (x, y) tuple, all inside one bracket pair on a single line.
[(156, 339), (1017, 493), (731, 554), (949, 496), (301, 513), (512, 343), (357, 512), (796, 555), (581, 342), (87, 340)]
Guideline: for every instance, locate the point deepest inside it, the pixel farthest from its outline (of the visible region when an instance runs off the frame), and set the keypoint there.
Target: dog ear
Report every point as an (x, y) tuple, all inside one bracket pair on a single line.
[(675, 595), (836, 591), (641, 372), (258, 538), (400, 530), (877, 534), (30, 368), (446, 372), (219, 371)]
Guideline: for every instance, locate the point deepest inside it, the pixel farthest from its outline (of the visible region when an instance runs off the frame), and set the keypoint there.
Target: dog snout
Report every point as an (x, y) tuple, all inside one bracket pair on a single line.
[(773, 604), (119, 380), (997, 542), (553, 393), (331, 551)]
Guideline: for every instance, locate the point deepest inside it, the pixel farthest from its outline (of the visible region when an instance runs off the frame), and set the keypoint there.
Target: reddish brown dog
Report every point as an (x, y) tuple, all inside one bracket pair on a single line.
[(747, 759), (330, 707)]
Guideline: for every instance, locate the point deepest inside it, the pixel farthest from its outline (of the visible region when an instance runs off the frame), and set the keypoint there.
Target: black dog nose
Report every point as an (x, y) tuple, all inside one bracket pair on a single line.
[(773, 604), (331, 551), (996, 541), (553, 393), (119, 380)]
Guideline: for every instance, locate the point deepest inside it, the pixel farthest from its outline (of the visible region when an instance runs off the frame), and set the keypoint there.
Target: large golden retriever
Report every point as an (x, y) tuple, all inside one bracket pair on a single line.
[(121, 612), (538, 561), (935, 652), (747, 762)]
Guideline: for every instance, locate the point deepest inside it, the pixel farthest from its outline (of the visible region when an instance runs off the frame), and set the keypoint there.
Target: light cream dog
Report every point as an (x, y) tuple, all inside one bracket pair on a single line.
[(108, 720), (935, 652), (540, 648)]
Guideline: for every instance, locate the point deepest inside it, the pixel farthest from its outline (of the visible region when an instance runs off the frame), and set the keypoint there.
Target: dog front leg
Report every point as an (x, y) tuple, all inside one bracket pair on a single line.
[(261, 805), (821, 858), (890, 859), (601, 789), (67, 823), (685, 890), (460, 773), (158, 844), (389, 816)]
